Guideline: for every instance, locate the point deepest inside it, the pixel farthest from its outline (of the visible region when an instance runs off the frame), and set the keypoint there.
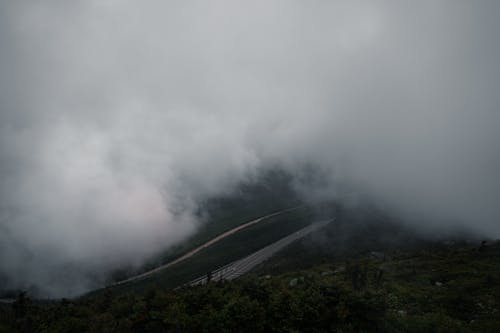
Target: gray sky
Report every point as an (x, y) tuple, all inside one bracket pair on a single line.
[(116, 117)]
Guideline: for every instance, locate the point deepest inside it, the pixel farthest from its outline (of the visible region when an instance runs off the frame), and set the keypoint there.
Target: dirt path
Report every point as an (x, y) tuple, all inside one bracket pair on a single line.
[(201, 247)]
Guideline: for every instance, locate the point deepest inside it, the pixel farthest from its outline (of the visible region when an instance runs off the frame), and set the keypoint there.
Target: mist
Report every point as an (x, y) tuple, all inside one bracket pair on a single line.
[(118, 117)]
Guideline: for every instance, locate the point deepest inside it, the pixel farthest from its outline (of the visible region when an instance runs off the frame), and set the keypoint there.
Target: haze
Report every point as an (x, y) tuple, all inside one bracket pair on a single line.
[(118, 117)]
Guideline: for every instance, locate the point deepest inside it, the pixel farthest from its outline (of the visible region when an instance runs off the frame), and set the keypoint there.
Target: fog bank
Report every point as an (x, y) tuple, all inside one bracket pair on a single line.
[(118, 117)]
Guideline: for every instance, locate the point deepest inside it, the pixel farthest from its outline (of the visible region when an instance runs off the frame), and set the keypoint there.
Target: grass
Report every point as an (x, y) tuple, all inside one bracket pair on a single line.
[(362, 273), (225, 251), (347, 294), (271, 193)]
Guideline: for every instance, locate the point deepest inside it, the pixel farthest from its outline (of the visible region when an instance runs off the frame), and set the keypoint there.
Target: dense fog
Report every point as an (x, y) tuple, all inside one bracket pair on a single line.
[(118, 117)]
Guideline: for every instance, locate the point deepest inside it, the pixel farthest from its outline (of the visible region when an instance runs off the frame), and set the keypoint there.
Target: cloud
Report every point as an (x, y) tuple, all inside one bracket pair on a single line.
[(117, 117)]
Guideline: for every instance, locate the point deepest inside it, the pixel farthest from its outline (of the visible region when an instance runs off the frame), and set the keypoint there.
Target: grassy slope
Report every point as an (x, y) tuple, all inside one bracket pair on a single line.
[(328, 281), (347, 295), (227, 250), (270, 193)]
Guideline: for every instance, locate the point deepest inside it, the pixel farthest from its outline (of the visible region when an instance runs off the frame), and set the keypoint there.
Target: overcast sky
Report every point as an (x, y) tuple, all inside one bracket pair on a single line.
[(116, 117)]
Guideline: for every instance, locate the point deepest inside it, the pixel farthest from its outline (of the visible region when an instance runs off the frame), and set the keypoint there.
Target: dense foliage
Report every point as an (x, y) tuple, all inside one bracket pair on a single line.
[(445, 288)]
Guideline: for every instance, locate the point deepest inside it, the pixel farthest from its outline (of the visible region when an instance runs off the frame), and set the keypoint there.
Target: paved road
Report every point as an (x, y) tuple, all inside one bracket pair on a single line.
[(190, 253), (238, 267), (242, 266), (199, 248)]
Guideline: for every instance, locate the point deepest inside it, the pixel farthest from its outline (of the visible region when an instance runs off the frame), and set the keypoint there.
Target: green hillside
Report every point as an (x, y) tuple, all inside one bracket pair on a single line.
[(271, 192), (362, 273), (438, 288), (225, 251)]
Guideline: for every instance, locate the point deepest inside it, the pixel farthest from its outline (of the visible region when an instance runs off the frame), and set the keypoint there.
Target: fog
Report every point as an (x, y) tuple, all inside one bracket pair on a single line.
[(118, 117)]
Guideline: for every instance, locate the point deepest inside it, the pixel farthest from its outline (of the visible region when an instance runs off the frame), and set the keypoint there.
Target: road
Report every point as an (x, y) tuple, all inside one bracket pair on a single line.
[(201, 247), (242, 266), (192, 252), (238, 267)]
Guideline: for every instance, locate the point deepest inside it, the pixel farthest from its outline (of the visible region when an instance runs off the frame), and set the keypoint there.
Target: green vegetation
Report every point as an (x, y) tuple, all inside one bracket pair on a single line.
[(225, 251), (269, 193), (438, 288), (359, 274)]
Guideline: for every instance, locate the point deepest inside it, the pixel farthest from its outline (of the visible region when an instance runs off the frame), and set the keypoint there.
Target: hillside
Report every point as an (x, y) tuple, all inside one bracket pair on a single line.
[(270, 192), (440, 288), (363, 273), (229, 249)]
